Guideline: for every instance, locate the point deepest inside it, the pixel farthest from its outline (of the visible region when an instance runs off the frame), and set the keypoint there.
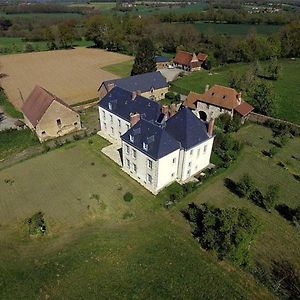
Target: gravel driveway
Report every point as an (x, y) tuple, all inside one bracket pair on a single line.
[(170, 74), (6, 122)]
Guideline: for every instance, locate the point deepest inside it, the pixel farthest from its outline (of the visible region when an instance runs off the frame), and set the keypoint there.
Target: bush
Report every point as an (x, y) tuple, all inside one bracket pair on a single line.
[(170, 95), (245, 186), (128, 197), (37, 224)]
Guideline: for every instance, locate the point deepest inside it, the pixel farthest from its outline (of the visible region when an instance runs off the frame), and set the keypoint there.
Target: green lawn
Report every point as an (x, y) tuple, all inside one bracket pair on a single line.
[(11, 45), (8, 108), (287, 87), (122, 69), (98, 244), (62, 16)]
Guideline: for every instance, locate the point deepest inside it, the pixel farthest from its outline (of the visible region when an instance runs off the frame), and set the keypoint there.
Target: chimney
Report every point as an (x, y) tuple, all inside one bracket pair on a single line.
[(173, 109), (134, 118), (239, 97), (206, 87), (110, 86), (165, 110), (211, 125), (133, 95)]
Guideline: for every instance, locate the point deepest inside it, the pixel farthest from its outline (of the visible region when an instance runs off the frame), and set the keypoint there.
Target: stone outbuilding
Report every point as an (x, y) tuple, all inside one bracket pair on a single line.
[(189, 61), (48, 115), (216, 101)]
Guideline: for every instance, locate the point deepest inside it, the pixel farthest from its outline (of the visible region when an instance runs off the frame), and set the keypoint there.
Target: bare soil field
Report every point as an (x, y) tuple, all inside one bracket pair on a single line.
[(73, 75)]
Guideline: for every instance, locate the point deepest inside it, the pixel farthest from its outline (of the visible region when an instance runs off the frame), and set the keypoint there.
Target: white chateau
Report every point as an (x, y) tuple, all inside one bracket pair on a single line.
[(159, 144)]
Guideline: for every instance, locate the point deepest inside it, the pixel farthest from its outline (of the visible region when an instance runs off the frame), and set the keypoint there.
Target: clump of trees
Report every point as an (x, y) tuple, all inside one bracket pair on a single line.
[(144, 61), (245, 188), (229, 232), (290, 214)]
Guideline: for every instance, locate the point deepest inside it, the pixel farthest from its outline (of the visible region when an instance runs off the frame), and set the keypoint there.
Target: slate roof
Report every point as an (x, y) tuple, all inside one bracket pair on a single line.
[(244, 109), (187, 129), (37, 104), (159, 142), (120, 103), (143, 82), (161, 59), (217, 95)]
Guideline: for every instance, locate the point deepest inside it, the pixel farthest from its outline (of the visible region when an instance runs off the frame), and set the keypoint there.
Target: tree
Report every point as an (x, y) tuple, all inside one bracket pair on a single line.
[(271, 197), (263, 97), (66, 34), (144, 60), (273, 69), (50, 39), (245, 186)]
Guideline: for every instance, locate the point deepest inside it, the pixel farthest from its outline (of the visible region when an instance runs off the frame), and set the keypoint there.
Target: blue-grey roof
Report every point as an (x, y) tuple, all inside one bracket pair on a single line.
[(159, 142), (187, 129), (120, 103), (161, 59), (143, 82)]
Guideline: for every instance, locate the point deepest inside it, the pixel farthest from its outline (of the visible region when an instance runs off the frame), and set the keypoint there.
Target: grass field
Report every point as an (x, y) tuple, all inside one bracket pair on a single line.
[(287, 87), (101, 244), (122, 69), (74, 75), (62, 16)]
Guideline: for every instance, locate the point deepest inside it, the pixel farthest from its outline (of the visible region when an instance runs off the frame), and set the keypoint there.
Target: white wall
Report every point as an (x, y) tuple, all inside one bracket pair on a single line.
[(211, 110), (111, 124), (194, 160)]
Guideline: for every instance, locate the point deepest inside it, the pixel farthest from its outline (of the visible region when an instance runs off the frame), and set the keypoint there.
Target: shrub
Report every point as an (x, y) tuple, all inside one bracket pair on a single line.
[(170, 95), (128, 197), (245, 186), (37, 224)]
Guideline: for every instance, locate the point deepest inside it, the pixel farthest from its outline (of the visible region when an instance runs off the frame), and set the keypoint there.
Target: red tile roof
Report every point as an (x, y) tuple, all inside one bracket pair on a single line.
[(217, 95), (183, 58), (244, 109), (202, 56), (37, 103)]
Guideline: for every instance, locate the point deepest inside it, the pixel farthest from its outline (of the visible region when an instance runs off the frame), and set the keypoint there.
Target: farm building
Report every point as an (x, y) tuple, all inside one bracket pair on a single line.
[(162, 62), (159, 144), (48, 115), (151, 85), (218, 100), (189, 61)]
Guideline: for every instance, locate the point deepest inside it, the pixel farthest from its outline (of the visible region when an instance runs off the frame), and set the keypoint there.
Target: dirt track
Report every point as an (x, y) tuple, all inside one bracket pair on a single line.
[(73, 75)]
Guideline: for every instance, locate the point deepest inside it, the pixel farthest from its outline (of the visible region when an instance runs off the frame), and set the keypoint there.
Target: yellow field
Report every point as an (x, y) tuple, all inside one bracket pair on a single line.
[(73, 75)]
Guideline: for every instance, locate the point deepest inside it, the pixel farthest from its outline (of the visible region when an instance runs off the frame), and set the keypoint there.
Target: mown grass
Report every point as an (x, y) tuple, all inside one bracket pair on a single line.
[(122, 69), (119, 250), (286, 88), (8, 108), (14, 141)]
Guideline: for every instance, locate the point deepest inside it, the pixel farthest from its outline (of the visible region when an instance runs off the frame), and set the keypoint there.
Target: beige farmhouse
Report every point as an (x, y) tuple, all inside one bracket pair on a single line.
[(49, 116)]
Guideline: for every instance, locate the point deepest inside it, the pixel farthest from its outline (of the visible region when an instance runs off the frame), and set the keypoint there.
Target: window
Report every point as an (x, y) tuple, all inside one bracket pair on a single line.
[(120, 133), (190, 164), (43, 132), (105, 126), (188, 173), (58, 122), (134, 168), (149, 178), (198, 152), (174, 160), (119, 122), (75, 123), (109, 106), (172, 175), (127, 126), (127, 163), (103, 113), (133, 153), (112, 130), (127, 149), (162, 94), (111, 118), (205, 148), (145, 146), (191, 152), (131, 138), (150, 164)]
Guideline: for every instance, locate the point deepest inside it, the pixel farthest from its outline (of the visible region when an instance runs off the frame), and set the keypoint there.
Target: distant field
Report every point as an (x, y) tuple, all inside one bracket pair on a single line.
[(74, 75), (122, 69), (42, 15), (11, 45), (98, 244), (96, 5), (287, 87), (235, 29)]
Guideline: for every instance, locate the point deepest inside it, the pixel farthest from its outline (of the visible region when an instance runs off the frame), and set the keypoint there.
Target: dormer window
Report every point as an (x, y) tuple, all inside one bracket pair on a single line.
[(109, 106), (131, 138), (212, 93), (145, 146), (224, 96)]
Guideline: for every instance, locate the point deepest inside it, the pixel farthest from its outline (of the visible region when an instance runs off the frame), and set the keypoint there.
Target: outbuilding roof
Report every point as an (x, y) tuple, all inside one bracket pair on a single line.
[(244, 109), (37, 104), (161, 59), (217, 95), (143, 82), (122, 103), (187, 129), (151, 139), (189, 59)]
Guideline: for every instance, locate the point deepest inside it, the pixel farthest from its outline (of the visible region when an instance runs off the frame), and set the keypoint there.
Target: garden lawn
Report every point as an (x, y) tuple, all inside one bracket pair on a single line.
[(122, 69), (286, 88), (278, 239), (98, 244)]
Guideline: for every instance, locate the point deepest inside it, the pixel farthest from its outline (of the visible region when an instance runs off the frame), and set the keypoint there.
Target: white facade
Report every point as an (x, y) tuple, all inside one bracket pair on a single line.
[(179, 165), (111, 124)]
